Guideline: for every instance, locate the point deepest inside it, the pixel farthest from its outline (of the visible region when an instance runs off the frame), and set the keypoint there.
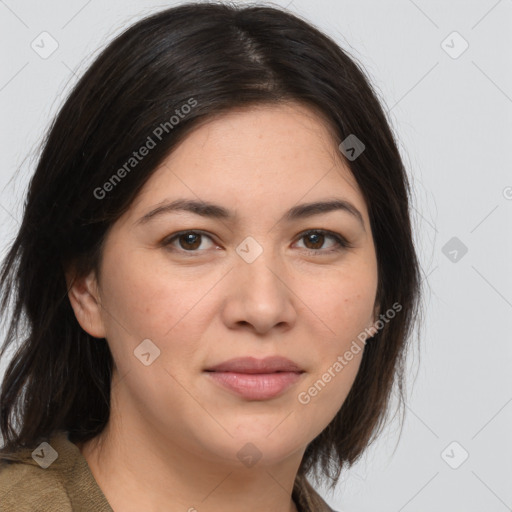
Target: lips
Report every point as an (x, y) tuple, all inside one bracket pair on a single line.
[(252, 365), (256, 379)]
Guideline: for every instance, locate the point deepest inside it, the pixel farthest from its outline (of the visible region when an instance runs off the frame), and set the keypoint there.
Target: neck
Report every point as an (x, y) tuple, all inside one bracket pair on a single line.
[(153, 472)]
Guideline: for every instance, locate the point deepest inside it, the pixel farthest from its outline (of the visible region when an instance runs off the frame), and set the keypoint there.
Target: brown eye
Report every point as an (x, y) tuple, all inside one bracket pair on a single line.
[(187, 241), (315, 239), (190, 241)]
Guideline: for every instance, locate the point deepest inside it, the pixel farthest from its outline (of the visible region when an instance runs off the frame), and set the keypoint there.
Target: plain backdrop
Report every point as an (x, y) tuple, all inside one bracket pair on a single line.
[(443, 72)]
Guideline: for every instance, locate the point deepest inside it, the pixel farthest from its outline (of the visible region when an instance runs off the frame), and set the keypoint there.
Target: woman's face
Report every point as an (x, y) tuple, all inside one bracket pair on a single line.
[(244, 279)]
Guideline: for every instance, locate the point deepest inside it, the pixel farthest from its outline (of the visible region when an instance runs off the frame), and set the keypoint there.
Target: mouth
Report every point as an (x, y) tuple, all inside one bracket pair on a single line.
[(252, 365), (256, 386), (256, 379)]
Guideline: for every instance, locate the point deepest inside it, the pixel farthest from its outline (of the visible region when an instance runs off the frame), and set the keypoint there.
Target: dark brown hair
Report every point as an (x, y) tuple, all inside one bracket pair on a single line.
[(222, 57)]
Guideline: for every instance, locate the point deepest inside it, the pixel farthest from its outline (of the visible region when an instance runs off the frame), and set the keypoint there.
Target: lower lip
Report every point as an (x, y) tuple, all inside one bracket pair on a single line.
[(256, 386)]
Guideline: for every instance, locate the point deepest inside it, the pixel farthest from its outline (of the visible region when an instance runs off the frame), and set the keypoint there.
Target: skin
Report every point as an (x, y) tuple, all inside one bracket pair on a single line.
[(173, 436)]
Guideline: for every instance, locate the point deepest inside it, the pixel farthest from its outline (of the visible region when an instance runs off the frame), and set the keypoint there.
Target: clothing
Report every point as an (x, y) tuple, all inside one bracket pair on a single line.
[(67, 484)]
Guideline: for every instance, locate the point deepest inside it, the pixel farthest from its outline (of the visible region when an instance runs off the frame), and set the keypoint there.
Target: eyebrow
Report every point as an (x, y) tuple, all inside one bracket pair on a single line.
[(214, 211)]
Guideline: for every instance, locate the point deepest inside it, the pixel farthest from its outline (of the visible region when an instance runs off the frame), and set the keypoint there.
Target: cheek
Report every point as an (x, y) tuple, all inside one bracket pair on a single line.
[(344, 309), (144, 301), (339, 358), (321, 397), (342, 302)]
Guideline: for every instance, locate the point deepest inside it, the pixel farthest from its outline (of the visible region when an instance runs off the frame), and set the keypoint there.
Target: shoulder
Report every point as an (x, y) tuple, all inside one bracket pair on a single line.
[(25, 488), (52, 476)]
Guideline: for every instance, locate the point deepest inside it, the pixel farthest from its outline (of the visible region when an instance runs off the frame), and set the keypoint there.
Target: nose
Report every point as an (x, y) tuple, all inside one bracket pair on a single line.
[(259, 296)]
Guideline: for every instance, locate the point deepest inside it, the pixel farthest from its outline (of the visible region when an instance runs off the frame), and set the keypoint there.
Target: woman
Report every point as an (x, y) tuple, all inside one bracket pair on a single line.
[(217, 271)]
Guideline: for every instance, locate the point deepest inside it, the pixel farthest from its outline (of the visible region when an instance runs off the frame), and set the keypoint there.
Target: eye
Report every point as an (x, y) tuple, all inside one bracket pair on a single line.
[(315, 238), (189, 241)]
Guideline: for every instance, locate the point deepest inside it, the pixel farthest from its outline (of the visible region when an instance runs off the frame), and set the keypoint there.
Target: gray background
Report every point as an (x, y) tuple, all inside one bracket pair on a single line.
[(453, 117)]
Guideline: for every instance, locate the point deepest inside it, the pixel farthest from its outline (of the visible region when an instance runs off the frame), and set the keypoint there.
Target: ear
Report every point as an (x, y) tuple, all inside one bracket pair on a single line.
[(376, 312), (85, 301)]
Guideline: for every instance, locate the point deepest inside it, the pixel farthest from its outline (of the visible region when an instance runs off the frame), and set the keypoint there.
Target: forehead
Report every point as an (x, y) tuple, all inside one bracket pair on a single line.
[(279, 153), (261, 133)]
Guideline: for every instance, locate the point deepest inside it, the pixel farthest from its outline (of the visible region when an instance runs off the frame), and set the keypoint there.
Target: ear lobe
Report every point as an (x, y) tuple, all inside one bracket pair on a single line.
[(85, 301)]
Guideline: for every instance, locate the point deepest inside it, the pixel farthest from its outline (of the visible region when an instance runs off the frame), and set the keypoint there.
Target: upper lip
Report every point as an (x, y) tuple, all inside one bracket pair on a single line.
[(253, 365)]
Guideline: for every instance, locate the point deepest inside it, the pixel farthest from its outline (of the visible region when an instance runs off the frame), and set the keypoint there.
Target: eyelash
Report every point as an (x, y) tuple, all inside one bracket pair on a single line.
[(341, 242)]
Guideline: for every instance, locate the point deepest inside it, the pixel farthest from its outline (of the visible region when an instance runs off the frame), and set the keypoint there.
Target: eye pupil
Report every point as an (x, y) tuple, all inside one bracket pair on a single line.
[(316, 239), (190, 238)]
